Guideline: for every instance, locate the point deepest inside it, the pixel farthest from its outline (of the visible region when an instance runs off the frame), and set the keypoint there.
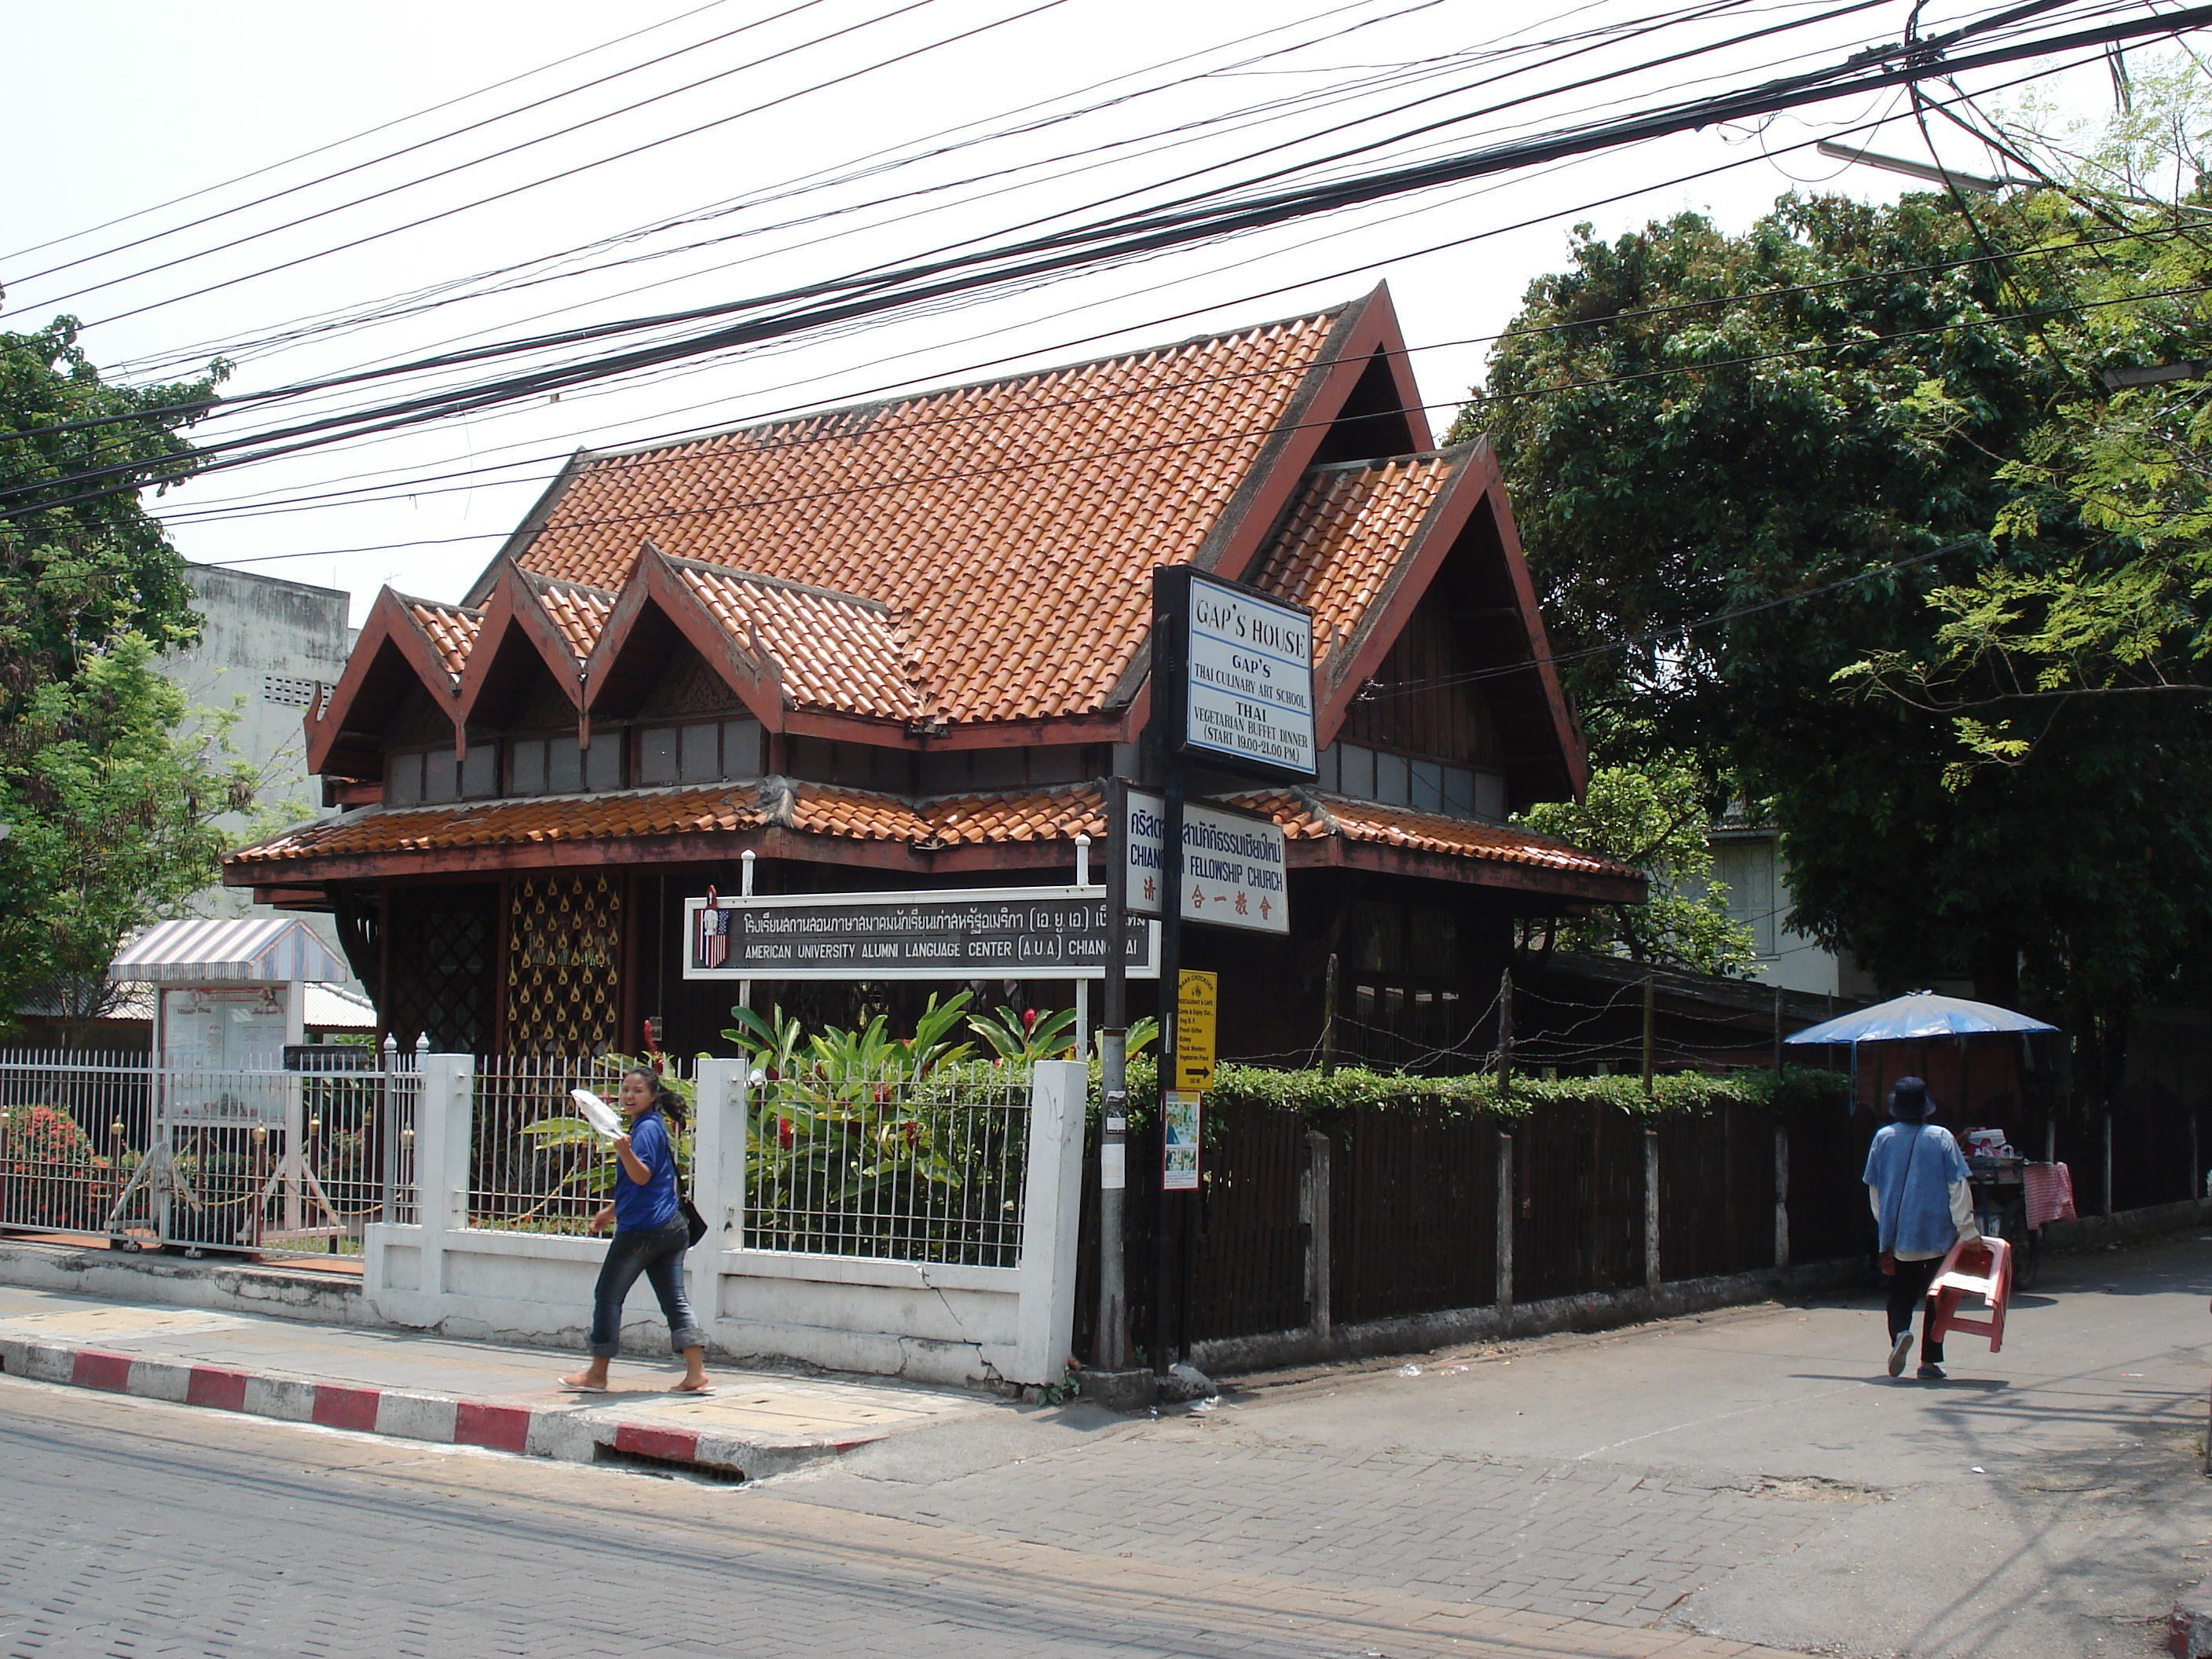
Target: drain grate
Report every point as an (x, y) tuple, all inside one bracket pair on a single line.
[(667, 1468)]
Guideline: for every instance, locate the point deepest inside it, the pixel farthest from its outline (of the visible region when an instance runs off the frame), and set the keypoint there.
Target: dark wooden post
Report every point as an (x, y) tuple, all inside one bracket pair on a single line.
[(1504, 1224), (1647, 1037), (1505, 1036), (1651, 1209), (1320, 1150), (1781, 1196)]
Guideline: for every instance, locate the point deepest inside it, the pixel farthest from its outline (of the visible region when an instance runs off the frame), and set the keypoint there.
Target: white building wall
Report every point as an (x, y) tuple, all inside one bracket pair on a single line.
[(1751, 863)]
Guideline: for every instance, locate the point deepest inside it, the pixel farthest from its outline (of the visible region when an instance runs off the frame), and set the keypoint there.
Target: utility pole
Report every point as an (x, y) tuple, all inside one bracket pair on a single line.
[(1112, 1346), (1647, 1037), (1505, 1036)]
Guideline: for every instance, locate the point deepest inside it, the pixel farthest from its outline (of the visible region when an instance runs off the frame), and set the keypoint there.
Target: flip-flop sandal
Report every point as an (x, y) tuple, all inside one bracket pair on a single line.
[(685, 1387), (584, 1388)]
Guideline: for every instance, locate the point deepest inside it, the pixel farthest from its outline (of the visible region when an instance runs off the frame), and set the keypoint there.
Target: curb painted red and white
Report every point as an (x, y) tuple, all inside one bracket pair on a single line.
[(578, 1433)]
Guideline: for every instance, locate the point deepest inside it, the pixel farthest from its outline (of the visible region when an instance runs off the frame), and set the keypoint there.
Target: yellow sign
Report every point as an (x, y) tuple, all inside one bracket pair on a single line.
[(1197, 994)]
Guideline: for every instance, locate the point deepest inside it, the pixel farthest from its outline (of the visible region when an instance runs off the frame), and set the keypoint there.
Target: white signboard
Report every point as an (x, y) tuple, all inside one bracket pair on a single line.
[(1234, 867), (1250, 681), (211, 1035)]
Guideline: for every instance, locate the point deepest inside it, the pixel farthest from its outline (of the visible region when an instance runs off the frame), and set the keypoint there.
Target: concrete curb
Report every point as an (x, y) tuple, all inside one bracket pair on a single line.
[(576, 1434), (2189, 1628)]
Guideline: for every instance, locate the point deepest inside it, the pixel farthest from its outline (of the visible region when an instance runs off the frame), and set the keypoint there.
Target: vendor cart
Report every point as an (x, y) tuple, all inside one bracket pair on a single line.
[(2000, 1189)]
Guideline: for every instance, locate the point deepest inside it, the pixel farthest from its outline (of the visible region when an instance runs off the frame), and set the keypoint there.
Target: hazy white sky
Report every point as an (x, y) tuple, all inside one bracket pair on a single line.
[(116, 107)]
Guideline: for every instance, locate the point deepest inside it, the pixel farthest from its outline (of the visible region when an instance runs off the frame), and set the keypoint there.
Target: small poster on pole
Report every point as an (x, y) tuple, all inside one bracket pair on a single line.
[(1179, 1123), (1198, 993)]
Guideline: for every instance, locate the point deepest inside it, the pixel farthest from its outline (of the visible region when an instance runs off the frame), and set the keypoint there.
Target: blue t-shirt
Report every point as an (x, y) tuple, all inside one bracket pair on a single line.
[(638, 1208), (1911, 1166)]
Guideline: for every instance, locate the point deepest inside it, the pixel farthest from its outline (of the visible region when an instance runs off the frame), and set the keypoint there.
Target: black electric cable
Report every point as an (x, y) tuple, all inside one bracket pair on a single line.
[(1278, 209), (355, 138), (1060, 251), (425, 144)]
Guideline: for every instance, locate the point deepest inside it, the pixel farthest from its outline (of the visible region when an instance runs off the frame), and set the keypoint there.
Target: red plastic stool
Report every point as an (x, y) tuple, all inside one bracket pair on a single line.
[(1983, 1267)]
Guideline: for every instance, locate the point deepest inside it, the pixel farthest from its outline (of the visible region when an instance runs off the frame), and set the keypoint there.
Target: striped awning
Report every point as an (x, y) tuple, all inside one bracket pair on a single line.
[(203, 953)]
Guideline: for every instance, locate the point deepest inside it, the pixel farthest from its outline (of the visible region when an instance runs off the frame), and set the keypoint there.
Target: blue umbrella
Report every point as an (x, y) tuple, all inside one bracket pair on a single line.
[(1919, 1014)]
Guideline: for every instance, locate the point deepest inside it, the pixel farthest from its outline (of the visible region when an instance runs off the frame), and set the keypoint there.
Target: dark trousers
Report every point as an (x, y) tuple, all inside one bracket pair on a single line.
[(1908, 1288), (658, 1253)]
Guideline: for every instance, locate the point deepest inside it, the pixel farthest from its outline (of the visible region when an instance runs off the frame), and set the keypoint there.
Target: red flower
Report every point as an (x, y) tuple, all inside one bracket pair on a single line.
[(1029, 1020), (783, 1135)]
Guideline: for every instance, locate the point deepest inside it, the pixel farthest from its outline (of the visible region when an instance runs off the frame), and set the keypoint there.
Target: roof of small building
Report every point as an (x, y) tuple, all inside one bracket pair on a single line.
[(1035, 816)]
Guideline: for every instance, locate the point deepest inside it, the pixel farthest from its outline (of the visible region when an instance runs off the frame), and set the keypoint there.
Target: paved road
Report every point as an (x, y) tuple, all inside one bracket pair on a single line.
[(137, 1528), (1747, 1477), (1753, 1475)]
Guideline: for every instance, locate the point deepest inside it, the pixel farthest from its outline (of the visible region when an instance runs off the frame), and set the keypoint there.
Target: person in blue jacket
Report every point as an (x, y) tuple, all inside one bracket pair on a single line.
[(650, 1237), (1916, 1179)]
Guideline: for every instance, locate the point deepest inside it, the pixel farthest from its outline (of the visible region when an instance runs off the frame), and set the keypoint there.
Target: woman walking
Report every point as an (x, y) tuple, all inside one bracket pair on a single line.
[(650, 1236), (1916, 1180)]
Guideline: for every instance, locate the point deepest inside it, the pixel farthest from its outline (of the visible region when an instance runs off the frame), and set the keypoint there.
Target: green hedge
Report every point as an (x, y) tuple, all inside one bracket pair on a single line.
[(1313, 1094)]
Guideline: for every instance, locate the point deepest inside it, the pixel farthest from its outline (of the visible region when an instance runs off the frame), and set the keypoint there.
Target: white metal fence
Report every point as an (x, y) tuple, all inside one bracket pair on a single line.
[(890, 1165), (272, 1162), (534, 1165)]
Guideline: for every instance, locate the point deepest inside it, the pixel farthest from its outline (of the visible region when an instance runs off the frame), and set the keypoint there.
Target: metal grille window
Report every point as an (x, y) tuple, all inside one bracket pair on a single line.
[(564, 952), (889, 1166)]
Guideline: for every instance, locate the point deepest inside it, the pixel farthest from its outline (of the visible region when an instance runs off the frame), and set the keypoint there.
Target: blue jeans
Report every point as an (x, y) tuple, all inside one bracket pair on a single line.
[(658, 1253)]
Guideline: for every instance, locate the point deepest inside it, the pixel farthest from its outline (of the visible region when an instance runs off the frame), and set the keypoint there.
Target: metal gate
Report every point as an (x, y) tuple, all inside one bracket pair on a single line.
[(290, 1162)]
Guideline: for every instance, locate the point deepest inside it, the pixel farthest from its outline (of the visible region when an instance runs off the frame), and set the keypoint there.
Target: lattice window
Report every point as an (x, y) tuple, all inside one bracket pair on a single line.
[(441, 969), (564, 956)]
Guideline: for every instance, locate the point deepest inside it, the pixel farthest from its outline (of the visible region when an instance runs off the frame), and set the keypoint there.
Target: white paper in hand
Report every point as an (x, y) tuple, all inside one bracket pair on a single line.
[(597, 1113)]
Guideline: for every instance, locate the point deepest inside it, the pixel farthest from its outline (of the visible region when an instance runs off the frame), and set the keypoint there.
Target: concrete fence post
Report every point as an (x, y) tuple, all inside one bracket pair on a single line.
[(1781, 1196), (718, 1150), (445, 1112), (1504, 1224), (1051, 1221), (1313, 1201), (1651, 1275)]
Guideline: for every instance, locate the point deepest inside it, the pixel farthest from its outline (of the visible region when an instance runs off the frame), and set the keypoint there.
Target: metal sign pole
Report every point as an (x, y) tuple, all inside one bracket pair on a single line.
[(1111, 1346), (1173, 1205)]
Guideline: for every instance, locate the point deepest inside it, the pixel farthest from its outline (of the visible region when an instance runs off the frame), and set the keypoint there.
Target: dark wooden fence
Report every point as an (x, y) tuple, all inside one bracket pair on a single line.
[(1413, 1193)]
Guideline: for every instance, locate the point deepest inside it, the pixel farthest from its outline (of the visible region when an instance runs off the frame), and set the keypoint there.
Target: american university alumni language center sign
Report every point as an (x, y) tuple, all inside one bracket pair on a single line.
[(1247, 680), (1004, 932), (1233, 865)]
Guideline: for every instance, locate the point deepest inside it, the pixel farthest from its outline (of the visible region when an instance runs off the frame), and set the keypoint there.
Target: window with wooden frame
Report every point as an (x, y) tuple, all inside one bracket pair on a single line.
[(694, 751)]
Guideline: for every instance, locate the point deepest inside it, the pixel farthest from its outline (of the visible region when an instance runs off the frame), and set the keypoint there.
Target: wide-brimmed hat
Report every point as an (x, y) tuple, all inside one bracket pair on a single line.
[(1909, 1099)]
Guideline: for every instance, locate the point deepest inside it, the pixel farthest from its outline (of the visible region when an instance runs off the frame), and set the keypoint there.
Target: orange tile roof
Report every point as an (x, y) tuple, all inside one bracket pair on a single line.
[(1012, 526), (1308, 815), (830, 650), (969, 820), (1348, 530), (579, 613), (451, 629), (810, 808)]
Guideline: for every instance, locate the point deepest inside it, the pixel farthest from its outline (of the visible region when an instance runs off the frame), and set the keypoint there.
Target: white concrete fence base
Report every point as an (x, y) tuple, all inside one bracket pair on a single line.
[(941, 1323)]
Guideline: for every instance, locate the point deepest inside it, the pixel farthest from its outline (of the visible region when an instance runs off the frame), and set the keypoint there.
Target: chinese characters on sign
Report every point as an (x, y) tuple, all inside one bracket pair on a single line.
[(1233, 867), (1014, 933)]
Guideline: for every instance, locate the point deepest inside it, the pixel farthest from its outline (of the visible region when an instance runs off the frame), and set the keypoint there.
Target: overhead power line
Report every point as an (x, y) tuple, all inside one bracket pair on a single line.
[(1127, 236)]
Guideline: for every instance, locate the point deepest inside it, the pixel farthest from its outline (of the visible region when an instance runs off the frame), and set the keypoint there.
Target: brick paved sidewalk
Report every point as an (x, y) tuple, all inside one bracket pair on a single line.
[(424, 1388)]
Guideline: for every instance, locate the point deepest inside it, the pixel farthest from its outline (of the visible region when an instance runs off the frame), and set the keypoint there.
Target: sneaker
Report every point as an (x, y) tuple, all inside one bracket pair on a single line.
[(1897, 1350), (1929, 1373)]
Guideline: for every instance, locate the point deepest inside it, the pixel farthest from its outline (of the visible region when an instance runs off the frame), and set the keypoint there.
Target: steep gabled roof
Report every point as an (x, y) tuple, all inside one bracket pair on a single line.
[(831, 651), (1012, 526)]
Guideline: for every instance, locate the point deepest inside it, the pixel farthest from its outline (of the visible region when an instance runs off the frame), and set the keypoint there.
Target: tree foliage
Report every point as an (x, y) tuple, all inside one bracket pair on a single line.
[(1654, 816), (1809, 430), (109, 813)]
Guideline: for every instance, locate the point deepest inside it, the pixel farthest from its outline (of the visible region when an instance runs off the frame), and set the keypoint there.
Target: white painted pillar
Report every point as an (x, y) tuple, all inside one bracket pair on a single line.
[(444, 1119), (1052, 1210)]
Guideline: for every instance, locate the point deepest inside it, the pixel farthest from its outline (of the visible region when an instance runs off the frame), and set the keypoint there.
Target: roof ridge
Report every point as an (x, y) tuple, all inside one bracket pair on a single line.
[(475, 610), (875, 405), (1442, 452), (541, 581), (784, 582)]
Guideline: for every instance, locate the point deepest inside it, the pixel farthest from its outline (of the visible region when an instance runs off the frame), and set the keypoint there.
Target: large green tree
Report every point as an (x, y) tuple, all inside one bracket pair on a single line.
[(109, 813), (1805, 430)]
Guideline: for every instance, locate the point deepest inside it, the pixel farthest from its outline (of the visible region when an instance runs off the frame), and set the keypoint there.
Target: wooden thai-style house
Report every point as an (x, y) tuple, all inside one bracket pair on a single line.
[(900, 646)]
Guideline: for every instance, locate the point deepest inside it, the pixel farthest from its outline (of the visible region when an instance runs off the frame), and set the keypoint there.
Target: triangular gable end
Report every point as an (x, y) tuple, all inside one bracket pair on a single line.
[(394, 653), (655, 611), (1367, 543)]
